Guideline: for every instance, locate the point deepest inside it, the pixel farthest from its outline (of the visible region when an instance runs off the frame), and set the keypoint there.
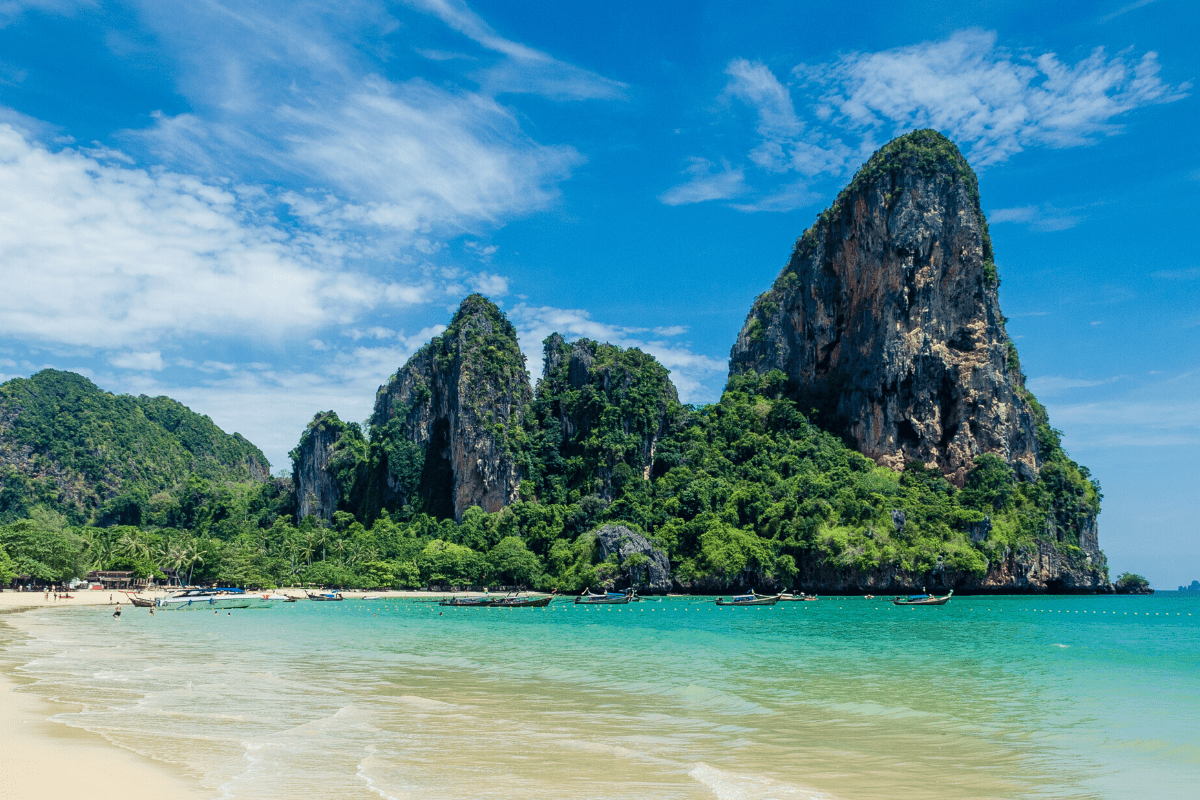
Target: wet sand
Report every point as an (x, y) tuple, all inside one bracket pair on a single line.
[(41, 758)]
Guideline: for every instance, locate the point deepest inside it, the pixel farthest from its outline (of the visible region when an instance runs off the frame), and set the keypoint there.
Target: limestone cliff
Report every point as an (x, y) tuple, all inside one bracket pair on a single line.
[(603, 410), (886, 323), (886, 319), (319, 466), (460, 399)]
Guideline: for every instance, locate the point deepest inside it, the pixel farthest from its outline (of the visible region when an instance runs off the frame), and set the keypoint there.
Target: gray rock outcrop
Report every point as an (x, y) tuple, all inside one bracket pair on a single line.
[(651, 572)]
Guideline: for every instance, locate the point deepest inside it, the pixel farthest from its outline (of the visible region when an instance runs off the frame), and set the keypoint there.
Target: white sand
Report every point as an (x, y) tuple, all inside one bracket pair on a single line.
[(91, 597), (40, 758)]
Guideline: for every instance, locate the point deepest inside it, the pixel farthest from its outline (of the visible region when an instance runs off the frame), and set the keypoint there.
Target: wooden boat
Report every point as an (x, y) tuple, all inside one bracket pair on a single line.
[(751, 599), (468, 602), (523, 602), (606, 599), (141, 602), (798, 598), (923, 600), (325, 596)]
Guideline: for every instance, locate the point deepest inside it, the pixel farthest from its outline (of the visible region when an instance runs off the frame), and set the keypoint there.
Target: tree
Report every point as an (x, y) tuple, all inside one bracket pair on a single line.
[(512, 562)]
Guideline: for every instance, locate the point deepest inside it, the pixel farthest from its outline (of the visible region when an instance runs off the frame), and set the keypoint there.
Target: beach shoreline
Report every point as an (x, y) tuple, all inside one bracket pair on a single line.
[(85, 597), (41, 757)]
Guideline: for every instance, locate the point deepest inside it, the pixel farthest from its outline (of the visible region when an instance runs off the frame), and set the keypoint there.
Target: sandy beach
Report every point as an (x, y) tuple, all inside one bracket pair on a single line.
[(15, 600), (42, 758)]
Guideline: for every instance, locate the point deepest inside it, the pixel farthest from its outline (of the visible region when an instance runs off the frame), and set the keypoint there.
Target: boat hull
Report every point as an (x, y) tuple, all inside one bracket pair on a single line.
[(216, 602), (523, 602), (931, 601), (758, 601), (606, 601)]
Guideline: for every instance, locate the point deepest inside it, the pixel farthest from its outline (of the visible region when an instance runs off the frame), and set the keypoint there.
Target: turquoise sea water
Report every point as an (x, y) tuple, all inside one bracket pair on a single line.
[(987, 697)]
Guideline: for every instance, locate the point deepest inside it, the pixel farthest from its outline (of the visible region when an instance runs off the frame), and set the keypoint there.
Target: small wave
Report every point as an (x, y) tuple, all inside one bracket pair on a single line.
[(1064, 646), (362, 775), (731, 786)]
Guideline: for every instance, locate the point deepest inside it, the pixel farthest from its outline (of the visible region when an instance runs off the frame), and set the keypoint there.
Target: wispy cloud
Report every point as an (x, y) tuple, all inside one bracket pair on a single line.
[(1125, 10), (1057, 384), (524, 70), (102, 255), (705, 184), (1189, 274), (993, 101), (1162, 412), (151, 361), (1041, 218)]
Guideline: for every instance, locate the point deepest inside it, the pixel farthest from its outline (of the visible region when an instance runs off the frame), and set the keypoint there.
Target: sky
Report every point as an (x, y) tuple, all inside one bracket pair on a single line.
[(262, 209)]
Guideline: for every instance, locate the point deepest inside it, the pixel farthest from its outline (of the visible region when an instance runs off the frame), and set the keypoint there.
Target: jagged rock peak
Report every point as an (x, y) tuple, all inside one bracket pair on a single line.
[(317, 491), (608, 405), (887, 320), (461, 399)]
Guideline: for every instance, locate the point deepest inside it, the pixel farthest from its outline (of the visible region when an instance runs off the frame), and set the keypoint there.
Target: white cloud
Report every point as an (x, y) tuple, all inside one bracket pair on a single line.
[(994, 102), (1163, 412), (1056, 384), (1126, 9), (494, 286), (524, 70), (143, 361), (692, 373), (705, 184), (102, 255), (1041, 218), (10, 10)]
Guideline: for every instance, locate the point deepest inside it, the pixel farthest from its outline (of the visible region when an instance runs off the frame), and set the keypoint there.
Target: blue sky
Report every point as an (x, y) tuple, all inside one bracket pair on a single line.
[(262, 209)]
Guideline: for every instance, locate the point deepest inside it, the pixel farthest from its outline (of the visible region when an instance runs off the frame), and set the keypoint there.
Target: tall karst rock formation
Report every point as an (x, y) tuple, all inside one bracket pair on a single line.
[(603, 411), (887, 320), (461, 400)]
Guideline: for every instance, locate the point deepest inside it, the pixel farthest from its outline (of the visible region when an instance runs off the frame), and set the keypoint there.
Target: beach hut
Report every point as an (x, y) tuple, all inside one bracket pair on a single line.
[(111, 579)]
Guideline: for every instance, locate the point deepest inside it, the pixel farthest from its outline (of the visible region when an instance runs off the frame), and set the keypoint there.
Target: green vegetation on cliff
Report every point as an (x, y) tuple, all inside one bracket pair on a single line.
[(745, 491), (68, 446)]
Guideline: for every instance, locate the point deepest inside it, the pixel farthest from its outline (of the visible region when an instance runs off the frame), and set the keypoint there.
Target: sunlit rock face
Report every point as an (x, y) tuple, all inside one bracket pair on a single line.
[(886, 319), (460, 398)]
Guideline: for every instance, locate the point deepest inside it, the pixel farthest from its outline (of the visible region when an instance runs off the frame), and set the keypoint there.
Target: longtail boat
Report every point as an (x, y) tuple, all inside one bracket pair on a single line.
[(470, 602), (523, 602), (141, 602), (606, 599), (324, 596), (922, 600), (751, 599), (798, 598)]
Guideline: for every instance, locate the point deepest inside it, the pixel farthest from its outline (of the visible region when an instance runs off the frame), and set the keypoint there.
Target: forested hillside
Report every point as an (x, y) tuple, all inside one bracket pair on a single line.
[(95, 457)]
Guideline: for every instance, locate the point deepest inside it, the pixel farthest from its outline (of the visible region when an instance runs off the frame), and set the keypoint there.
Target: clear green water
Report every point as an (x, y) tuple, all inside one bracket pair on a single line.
[(1009, 697)]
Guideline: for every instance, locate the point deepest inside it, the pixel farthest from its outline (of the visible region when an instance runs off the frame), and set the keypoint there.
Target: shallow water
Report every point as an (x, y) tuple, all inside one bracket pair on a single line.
[(987, 697)]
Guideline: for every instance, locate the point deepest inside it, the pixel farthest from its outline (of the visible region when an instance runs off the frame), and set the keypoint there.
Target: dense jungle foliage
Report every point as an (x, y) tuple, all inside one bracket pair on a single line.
[(98, 458), (743, 492)]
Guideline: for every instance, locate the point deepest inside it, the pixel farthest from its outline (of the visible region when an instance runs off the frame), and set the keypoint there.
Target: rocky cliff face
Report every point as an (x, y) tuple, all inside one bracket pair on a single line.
[(606, 407), (887, 319), (317, 487), (461, 399)]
